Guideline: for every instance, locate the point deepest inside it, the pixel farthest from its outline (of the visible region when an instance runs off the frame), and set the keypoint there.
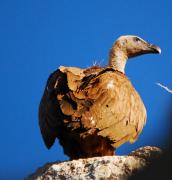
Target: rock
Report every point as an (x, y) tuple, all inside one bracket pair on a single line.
[(148, 153), (106, 167)]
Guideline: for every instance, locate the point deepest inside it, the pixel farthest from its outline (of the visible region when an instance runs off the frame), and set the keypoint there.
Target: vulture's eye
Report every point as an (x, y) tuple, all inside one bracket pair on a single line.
[(136, 39)]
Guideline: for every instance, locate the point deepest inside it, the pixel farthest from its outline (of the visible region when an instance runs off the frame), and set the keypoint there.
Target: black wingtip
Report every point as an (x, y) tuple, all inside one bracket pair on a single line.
[(47, 135)]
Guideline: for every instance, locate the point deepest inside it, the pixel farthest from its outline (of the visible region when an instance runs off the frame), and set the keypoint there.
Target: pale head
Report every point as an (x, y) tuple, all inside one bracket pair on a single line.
[(127, 47)]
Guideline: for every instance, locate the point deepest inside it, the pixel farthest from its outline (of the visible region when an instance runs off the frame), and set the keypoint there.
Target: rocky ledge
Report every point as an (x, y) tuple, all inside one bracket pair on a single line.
[(107, 167)]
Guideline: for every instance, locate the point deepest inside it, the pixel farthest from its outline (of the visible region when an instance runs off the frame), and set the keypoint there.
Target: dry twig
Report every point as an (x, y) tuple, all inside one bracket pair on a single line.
[(164, 87)]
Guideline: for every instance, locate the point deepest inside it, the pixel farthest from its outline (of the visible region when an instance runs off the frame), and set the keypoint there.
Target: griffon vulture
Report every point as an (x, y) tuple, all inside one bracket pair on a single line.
[(95, 110)]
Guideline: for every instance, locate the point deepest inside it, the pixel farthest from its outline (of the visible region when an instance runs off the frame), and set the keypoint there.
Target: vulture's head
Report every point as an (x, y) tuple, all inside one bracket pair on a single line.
[(127, 47), (134, 46)]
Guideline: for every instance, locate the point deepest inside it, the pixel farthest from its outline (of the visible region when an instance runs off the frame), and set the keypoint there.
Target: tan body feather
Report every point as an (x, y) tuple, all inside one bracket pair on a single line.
[(98, 110)]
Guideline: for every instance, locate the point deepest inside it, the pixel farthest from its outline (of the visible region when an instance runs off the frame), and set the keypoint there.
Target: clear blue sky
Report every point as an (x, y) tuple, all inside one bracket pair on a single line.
[(37, 36)]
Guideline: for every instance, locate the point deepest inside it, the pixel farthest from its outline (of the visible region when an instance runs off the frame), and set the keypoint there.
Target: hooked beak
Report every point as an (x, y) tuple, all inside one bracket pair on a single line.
[(154, 49)]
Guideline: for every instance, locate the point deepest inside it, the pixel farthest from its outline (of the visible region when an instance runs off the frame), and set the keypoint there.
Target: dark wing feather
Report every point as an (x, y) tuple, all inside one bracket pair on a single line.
[(50, 115)]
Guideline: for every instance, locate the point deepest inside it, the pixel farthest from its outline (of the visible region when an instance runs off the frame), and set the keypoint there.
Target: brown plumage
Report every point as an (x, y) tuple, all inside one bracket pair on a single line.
[(95, 110)]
